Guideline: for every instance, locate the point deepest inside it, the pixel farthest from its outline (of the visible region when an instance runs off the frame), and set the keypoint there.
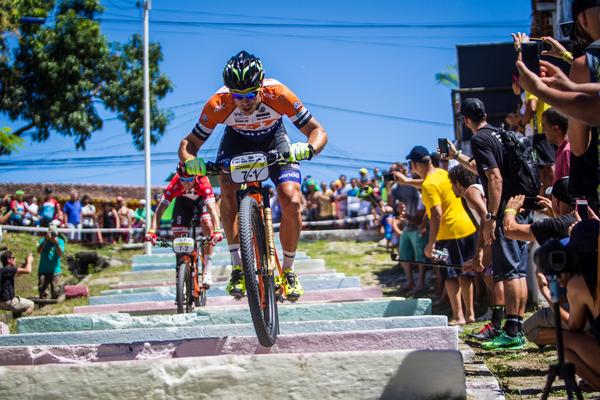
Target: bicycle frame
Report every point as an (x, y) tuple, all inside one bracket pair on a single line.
[(261, 195)]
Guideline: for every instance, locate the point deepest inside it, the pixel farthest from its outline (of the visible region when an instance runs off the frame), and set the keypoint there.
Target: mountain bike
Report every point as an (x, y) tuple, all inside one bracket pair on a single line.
[(263, 272), (190, 291)]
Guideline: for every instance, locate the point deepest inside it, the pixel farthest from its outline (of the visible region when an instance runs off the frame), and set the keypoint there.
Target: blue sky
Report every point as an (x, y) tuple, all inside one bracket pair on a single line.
[(383, 75)]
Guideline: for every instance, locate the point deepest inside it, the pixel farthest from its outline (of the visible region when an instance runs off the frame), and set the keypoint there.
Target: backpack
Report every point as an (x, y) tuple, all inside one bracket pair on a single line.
[(520, 173)]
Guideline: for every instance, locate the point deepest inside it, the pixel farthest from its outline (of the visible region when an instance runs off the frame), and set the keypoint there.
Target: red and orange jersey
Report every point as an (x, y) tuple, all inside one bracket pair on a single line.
[(277, 101), (202, 187)]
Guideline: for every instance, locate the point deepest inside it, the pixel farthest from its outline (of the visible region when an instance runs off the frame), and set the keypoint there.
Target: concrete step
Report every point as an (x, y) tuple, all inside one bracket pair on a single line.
[(299, 264), (168, 307), (220, 278), (165, 274), (309, 282), (389, 374), (226, 315), (168, 293), (217, 255), (162, 334), (430, 338)]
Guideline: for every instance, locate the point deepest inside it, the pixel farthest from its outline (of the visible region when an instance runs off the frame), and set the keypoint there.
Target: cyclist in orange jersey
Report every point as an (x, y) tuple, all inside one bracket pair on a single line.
[(252, 107)]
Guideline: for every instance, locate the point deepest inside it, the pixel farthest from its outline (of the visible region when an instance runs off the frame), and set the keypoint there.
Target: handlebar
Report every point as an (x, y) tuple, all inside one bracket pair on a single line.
[(273, 157)]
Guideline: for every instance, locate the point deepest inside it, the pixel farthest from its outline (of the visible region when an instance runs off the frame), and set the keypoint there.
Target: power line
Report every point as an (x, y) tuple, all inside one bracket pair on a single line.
[(379, 115), (455, 25)]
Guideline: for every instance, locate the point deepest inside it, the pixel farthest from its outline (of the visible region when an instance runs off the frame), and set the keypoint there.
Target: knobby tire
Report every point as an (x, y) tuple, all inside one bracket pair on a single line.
[(252, 236)]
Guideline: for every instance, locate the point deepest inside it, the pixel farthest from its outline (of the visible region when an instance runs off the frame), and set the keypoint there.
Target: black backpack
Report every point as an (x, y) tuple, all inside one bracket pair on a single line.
[(520, 173)]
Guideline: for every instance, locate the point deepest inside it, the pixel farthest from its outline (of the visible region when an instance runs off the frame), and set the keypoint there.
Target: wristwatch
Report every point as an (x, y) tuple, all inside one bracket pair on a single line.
[(489, 216)]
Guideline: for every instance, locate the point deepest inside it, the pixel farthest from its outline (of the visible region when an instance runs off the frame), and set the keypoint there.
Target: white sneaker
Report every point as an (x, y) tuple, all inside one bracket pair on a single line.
[(208, 279)]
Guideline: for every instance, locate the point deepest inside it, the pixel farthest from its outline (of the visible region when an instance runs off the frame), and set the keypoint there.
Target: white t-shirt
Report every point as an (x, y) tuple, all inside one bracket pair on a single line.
[(87, 214)]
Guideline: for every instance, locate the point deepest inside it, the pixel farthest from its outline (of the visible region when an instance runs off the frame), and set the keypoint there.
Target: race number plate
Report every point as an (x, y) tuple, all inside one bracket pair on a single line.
[(183, 245), (249, 167)]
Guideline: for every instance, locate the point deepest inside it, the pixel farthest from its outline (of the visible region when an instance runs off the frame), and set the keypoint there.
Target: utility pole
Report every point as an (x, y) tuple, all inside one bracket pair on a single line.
[(147, 7)]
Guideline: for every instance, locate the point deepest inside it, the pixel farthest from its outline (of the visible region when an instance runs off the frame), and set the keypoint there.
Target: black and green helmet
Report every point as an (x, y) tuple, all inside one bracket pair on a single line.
[(243, 73)]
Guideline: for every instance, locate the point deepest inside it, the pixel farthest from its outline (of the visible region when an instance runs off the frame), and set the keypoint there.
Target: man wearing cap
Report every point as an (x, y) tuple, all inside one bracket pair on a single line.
[(561, 210), (509, 257), (449, 228), (18, 208)]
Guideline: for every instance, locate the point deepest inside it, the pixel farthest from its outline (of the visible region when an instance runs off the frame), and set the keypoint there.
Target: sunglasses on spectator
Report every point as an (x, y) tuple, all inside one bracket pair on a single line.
[(247, 96)]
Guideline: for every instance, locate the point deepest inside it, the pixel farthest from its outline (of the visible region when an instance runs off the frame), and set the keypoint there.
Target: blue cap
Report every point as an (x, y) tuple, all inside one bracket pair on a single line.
[(419, 154), (584, 237)]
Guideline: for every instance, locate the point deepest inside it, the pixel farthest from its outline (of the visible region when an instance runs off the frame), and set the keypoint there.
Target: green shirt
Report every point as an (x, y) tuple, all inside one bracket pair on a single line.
[(49, 259)]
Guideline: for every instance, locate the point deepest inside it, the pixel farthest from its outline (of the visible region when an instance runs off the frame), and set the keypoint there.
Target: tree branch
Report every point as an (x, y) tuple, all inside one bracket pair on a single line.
[(23, 129)]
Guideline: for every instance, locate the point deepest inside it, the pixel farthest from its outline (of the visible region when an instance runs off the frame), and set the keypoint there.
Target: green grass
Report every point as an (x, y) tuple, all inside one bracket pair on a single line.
[(22, 244)]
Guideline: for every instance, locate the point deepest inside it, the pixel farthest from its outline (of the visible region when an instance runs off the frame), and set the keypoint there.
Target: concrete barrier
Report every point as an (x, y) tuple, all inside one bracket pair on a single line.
[(311, 282), (216, 271), (431, 338), (389, 374), (167, 293), (299, 264), (161, 334), (164, 307), (227, 315)]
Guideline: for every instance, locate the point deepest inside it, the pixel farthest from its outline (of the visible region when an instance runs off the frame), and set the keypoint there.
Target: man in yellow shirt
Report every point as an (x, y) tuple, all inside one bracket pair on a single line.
[(449, 228)]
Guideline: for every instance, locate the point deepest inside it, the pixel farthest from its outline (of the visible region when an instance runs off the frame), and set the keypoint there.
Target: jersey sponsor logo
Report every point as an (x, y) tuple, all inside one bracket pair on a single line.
[(207, 191), (263, 115), (297, 105), (219, 107), (204, 118)]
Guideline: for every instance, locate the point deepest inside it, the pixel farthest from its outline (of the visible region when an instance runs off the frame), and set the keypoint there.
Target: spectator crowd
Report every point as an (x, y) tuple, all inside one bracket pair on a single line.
[(76, 214)]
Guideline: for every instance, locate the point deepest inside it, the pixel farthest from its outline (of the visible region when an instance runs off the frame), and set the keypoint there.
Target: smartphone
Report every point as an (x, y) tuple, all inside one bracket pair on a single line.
[(531, 203), (388, 177), (531, 56), (443, 146), (582, 208), (566, 28)]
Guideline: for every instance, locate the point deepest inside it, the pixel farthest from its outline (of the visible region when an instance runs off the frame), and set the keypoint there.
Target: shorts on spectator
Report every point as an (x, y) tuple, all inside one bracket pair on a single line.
[(459, 251), (541, 319), (16, 304), (509, 257), (411, 245), (543, 151), (489, 271)]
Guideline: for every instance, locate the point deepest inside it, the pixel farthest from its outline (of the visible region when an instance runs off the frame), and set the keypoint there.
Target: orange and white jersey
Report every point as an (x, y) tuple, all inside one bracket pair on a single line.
[(277, 101)]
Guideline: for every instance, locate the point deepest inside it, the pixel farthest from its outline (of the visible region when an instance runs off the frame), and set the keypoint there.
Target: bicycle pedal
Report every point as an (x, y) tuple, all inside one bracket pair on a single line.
[(293, 299)]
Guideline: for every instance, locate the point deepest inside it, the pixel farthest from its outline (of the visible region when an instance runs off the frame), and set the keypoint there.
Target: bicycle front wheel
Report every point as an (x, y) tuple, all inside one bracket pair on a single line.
[(260, 286), (183, 290)]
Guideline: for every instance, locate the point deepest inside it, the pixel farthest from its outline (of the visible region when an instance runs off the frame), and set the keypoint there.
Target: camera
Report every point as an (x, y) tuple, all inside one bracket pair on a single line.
[(553, 257)]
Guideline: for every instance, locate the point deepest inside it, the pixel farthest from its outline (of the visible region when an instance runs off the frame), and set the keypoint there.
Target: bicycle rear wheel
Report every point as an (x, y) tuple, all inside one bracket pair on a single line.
[(183, 290), (260, 286)]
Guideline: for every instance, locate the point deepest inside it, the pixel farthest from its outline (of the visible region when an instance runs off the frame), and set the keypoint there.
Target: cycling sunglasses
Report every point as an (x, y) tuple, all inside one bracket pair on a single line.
[(246, 96), (186, 179)]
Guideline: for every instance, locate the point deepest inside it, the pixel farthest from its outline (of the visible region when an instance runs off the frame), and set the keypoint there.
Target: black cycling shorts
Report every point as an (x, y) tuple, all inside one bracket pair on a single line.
[(233, 144), (183, 211)]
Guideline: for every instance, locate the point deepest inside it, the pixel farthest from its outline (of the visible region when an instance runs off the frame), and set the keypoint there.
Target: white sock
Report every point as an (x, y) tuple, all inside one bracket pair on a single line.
[(236, 256), (288, 260), (208, 265)]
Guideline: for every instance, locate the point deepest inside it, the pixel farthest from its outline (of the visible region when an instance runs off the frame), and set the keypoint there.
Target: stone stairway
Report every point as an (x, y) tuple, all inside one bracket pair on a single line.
[(342, 340)]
